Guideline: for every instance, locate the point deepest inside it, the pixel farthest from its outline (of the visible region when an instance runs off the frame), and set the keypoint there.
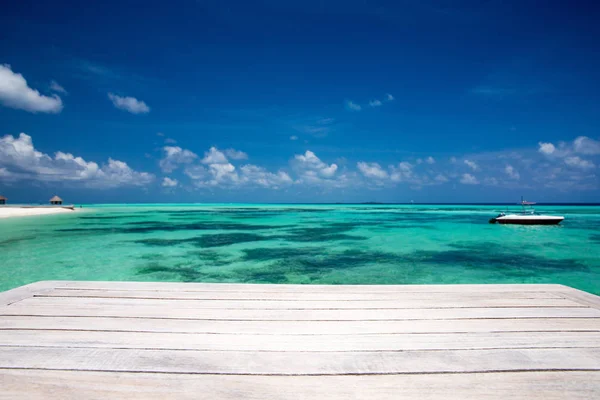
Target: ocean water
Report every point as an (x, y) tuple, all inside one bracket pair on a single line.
[(316, 244)]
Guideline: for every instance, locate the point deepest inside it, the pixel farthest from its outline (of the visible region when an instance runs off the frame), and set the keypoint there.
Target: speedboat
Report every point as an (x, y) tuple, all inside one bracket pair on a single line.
[(527, 216)]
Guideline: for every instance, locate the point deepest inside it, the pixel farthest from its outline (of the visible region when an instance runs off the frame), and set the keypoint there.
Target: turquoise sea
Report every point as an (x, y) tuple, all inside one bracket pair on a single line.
[(318, 244)]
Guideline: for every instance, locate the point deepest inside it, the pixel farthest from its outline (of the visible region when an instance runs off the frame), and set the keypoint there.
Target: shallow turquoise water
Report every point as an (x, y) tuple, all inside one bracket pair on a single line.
[(319, 244)]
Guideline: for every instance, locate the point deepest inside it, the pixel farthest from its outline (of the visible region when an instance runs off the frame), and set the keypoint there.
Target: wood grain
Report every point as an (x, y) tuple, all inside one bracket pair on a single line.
[(62, 339), (50, 385)]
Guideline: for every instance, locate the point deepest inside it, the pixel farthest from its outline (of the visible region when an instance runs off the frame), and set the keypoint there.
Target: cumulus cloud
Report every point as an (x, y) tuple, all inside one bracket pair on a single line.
[(169, 183), (512, 172), (350, 105), (578, 162), (15, 93), (129, 104), (293, 137), (55, 87), (546, 148), (441, 178), (430, 160), (252, 174), (372, 170), (22, 161), (311, 163), (585, 145), (175, 156), (472, 164), (375, 103), (389, 97), (236, 154), (403, 172), (215, 170), (468, 179), (214, 156)]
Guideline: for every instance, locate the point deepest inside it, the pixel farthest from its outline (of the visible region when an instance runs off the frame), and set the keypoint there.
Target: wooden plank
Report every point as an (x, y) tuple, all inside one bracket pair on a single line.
[(144, 311), (17, 294), (581, 297), (292, 296), (433, 302), (298, 363), (45, 385), (241, 287), (300, 327), (299, 343)]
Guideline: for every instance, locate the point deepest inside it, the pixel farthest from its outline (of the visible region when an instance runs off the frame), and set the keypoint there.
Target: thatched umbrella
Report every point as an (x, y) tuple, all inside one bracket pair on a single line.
[(56, 200)]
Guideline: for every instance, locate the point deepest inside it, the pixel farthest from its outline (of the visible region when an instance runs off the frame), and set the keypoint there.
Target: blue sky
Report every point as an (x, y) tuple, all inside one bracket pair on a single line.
[(300, 101)]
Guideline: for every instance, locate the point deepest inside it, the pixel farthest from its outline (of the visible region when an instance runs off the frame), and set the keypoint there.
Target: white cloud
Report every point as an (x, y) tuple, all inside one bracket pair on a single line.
[(293, 137), (175, 156), (23, 162), (220, 173), (352, 106), (129, 104), (15, 93), (236, 154), (404, 172), (546, 148), (578, 162), (196, 172), (168, 182), (472, 164), (170, 141), (468, 179), (441, 178), (310, 162), (372, 170), (585, 145), (512, 172), (214, 156), (55, 87), (430, 160), (261, 177)]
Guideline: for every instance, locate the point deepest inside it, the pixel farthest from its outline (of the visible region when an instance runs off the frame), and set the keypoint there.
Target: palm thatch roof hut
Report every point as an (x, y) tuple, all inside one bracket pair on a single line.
[(3, 200), (57, 201)]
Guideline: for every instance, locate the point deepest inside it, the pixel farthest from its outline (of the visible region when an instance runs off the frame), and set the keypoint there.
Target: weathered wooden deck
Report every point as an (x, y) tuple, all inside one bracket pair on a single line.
[(120, 340)]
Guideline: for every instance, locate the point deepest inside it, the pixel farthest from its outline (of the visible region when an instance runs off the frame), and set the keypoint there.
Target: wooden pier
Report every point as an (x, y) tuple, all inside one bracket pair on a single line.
[(125, 340)]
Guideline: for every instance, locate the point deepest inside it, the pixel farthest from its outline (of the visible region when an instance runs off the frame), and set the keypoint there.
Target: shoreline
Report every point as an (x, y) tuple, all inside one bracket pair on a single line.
[(10, 212)]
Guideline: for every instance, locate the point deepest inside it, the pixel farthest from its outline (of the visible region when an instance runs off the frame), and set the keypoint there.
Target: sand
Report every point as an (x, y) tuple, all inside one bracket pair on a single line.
[(7, 212)]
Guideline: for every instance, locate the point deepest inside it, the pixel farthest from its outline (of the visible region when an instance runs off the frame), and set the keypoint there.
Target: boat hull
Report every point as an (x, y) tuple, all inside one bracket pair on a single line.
[(529, 221)]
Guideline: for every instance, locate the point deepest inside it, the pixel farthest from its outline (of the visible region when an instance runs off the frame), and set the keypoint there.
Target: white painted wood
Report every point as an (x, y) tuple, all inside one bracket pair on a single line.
[(432, 302), (301, 327), (409, 331), (299, 343), (294, 296), (241, 287), (580, 297), (297, 363), (17, 294), (64, 385), (145, 311)]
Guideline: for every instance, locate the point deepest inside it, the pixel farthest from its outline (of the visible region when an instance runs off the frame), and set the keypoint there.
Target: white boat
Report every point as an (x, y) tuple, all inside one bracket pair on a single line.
[(527, 217)]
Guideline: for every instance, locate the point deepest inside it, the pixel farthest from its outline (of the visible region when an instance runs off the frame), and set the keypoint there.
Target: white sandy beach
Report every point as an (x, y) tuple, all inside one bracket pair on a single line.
[(7, 212)]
